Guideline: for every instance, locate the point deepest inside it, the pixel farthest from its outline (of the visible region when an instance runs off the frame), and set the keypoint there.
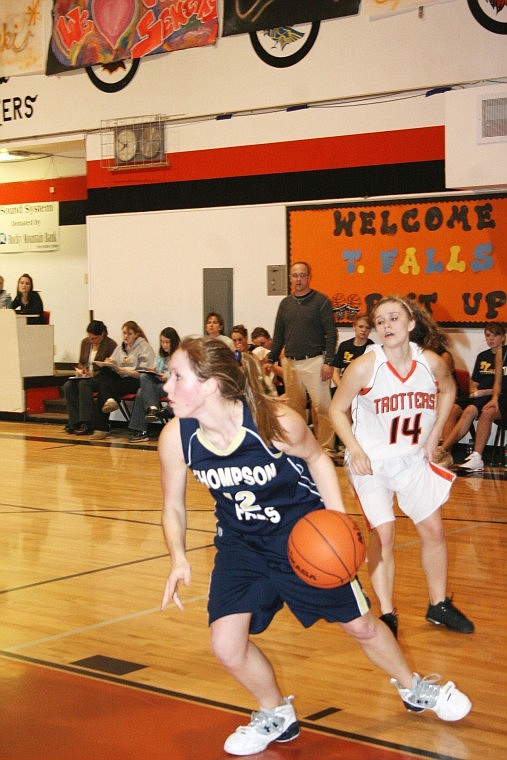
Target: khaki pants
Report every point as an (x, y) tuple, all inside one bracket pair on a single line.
[(301, 377)]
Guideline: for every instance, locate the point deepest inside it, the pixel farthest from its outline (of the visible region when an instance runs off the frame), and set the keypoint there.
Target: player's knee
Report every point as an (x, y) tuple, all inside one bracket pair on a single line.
[(228, 655), (383, 537), (433, 534), (362, 629)]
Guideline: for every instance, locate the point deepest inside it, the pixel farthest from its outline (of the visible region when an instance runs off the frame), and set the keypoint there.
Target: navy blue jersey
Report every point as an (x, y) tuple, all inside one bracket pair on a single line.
[(484, 370), (347, 352), (258, 490)]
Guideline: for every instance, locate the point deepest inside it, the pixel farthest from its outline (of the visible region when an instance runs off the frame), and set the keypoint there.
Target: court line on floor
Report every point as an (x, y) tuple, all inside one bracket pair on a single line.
[(361, 739), (102, 624), (464, 529)]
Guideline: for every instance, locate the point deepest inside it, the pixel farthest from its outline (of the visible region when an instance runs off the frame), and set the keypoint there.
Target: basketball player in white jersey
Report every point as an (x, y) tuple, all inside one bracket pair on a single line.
[(400, 396)]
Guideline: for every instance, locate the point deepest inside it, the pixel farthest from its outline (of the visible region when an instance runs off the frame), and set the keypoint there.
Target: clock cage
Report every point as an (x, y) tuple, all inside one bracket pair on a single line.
[(136, 142)]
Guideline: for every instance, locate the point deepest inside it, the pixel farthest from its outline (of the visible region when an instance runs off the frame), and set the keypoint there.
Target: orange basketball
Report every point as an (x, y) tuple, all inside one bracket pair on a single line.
[(325, 548)]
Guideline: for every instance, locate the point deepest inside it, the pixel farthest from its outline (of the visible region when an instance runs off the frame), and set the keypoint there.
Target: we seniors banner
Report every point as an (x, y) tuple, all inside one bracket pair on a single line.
[(93, 32), (29, 227), (450, 254), (247, 16)]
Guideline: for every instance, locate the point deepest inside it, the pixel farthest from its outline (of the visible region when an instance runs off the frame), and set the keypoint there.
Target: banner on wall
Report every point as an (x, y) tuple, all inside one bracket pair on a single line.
[(99, 32), (247, 16), (384, 8), (29, 227), (447, 253), (24, 32)]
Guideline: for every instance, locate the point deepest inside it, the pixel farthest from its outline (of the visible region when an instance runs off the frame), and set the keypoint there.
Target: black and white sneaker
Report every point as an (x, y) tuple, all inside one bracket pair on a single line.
[(445, 613), (265, 727), (448, 702), (139, 436)]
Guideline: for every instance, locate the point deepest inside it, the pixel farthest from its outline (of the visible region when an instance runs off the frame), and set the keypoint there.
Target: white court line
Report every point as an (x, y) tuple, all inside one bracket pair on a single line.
[(103, 624), (417, 541)]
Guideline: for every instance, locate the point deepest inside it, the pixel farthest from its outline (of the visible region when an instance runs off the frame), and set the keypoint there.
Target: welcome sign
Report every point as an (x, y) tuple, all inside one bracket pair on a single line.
[(450, 254)]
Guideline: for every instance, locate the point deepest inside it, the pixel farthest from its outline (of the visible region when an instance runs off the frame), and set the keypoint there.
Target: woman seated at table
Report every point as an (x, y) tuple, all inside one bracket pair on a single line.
[(28, 301), (122, 377)]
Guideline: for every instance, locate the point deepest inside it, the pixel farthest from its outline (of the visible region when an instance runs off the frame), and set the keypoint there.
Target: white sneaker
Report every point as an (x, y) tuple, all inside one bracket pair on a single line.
[(473, 463), (266, 726), (448, 702), (109, 406)]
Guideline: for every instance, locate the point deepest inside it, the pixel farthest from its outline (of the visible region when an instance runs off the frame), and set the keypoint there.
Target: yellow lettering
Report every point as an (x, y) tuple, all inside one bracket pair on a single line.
[(410, 262), (454, 265)]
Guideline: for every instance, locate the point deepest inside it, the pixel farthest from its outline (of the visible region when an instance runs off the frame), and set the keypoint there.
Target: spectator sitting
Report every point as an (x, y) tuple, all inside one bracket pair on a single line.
[(147, 404), (494, 411), (28, 301), (261, 337), (5, 298), (481, 393), (97, 346), (350, 349), (214, 327), (239, 336), (261, 341), (122, 378)]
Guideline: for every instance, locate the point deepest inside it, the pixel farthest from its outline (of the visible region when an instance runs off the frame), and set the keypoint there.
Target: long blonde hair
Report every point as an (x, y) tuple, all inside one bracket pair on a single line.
[(209, 357)]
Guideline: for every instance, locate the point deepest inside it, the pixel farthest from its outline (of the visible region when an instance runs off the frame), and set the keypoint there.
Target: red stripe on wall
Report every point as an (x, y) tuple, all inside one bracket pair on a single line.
[(65, 189), (373, 149)]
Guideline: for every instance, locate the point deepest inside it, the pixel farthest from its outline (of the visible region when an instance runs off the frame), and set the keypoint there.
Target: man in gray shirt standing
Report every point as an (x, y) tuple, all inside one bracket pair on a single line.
[(305, 326)]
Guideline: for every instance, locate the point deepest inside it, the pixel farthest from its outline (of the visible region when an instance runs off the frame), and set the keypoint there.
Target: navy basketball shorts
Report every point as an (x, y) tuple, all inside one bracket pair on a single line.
[(252, 574), (479, 402)]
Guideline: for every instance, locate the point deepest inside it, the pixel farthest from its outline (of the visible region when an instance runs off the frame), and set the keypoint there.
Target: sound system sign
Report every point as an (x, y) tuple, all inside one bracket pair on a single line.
[(29, 227)]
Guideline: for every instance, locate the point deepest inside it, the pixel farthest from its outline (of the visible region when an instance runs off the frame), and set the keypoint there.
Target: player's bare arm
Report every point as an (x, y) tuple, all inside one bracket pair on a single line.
[(446, 398), (356, 377), (174, 478), (302, 443)]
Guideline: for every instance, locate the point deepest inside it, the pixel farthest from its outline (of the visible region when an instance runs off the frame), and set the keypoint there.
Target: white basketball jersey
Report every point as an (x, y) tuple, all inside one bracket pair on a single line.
[(394, 415)]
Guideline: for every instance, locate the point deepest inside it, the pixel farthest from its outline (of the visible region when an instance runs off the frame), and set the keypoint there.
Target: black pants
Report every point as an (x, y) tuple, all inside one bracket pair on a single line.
[(111, 385), (80, 402)]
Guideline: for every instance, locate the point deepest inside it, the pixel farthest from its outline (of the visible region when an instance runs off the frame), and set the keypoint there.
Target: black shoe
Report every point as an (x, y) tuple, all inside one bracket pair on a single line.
[(165, 415), (152, 414), (69, 429), (445, 613), (391, 620), (83, 429), (139, 435)]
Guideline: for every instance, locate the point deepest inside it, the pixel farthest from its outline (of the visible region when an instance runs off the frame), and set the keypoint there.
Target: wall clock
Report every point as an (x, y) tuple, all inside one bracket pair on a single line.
[(136, 143), (125, 144), (152, 141)]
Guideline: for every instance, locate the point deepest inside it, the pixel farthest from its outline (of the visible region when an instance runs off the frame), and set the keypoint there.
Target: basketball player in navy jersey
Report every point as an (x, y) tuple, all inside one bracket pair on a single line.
[(265, 470), (400, 395)]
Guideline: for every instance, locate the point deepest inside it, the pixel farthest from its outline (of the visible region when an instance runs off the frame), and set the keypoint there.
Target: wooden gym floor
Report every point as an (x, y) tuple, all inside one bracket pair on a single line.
[(89, 666)]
